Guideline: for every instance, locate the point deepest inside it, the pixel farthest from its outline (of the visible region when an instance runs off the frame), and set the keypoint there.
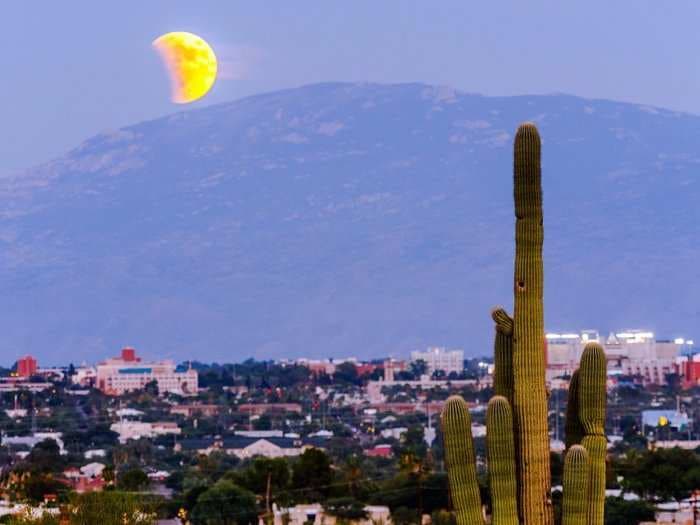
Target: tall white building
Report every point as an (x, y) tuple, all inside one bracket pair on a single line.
[(127, 373), (439, 358)]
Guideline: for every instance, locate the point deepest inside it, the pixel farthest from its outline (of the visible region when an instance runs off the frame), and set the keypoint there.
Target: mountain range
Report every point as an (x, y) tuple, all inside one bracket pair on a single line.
[(347, 219)]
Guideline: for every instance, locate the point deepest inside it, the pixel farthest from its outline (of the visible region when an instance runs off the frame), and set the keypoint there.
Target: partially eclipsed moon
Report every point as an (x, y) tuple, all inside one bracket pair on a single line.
[(191, 63)]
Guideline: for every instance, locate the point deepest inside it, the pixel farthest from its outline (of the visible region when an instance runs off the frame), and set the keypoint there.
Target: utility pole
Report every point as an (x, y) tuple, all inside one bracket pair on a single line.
[(556, 415), (33, 414), (267, 491)]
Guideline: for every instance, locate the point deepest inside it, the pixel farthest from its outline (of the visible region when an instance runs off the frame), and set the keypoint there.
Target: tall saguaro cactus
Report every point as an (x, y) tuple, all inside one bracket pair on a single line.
[(530, 396), (517, 436)]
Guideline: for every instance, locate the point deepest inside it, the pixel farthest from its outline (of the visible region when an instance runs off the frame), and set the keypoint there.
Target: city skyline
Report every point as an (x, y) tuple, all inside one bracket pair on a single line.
[(686, 346)]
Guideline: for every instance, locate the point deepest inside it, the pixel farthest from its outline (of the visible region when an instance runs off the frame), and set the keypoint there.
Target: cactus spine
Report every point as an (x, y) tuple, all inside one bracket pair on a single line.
[(530, 396), (500, 446), (461, 462), (576, 481)]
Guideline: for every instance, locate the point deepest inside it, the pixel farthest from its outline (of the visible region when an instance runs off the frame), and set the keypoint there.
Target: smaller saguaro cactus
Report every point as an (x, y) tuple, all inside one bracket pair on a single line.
[(592, 376), (576, 483), (461, 462), (500, 446)]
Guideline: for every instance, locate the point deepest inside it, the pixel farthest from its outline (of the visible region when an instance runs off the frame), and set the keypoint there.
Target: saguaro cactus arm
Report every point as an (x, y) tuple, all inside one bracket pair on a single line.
[(576, 481), (461, 462), (573, 429), (503, 354), (591, 407), (500, 447)]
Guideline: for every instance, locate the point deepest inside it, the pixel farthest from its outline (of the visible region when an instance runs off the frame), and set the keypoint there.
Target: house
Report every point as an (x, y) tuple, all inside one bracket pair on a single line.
[(138, 429), (129, 412), (32, 440), (245, 447), (158, 475), (379, 451), (92, 470), (260, 433), (16, 413), (201, 446), (313, 514), (272, 447), (433, 407), (196, 409), (394, 433), (258, 409), (87, 478)]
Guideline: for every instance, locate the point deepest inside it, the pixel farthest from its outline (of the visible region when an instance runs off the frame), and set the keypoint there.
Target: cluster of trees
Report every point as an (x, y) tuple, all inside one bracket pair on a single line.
[(220, 490), (660, 475), (211, 495), (208, 491)]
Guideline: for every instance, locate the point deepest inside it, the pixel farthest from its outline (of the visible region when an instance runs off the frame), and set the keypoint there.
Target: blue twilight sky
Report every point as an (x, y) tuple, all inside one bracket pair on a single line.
[(74, 68)]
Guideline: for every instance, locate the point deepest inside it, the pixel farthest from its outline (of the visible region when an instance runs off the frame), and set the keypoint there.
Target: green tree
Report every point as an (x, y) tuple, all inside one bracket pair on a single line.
[(621, 512), (419, 368), (225, 504), (151, 388), (404, 516), (312, 475), (264, 477), (354, 478), (661, 474), (347, 373), (413, 442), (263, 422), (108, 474), (46, 457), (443, 517), (36, 486), (133, 480)]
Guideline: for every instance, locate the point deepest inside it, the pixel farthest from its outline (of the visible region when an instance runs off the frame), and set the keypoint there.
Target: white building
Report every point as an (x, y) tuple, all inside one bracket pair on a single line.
[(138, 429), (314, 514), (631, 353), (127, 373), (32, 440), (84, 375), (245, 447), (439, 358), (394, 433)]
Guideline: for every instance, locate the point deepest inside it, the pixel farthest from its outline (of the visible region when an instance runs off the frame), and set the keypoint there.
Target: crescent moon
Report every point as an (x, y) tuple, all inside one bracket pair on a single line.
[(191, 64)]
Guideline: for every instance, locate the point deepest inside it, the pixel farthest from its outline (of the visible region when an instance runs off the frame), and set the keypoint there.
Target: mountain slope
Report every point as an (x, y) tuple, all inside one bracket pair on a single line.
[(347, 219)]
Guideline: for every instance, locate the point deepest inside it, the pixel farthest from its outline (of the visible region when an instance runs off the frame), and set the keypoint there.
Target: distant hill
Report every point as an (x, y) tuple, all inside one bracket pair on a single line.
[(347, 219)]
